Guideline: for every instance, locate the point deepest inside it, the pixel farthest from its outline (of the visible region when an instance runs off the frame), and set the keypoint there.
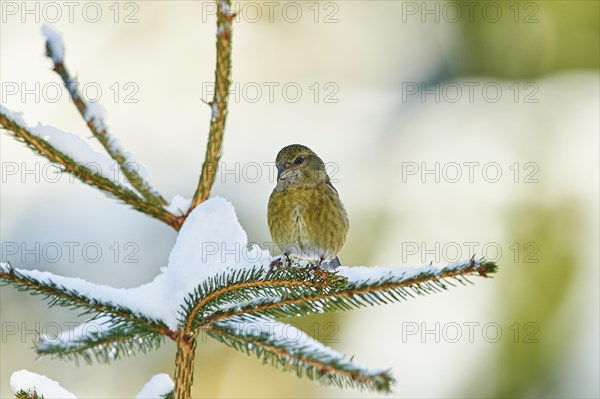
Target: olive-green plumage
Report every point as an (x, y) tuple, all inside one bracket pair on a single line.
[(306, 216)]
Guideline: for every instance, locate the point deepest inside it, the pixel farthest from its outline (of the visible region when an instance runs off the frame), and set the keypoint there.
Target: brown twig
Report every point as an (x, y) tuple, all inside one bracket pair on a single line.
[(87, 175), (473, 269), (218, 104), (100, 132)]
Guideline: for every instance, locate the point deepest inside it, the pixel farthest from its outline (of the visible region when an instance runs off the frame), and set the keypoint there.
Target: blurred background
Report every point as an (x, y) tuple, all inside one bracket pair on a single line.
[(451, 129)]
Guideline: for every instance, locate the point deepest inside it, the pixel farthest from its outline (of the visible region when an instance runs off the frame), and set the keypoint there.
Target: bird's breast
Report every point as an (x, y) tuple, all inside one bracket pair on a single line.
[(308, 221)]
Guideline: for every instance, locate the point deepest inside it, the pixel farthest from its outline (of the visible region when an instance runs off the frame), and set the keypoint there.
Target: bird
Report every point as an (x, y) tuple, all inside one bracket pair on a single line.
[(305, 214)]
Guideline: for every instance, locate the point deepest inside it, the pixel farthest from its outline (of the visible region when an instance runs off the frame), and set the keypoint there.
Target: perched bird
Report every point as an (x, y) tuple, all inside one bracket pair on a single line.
[(305, 214)]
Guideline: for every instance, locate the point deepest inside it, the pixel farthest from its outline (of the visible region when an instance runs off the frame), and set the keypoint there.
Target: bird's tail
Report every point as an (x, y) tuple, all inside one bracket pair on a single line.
[(331, 265)]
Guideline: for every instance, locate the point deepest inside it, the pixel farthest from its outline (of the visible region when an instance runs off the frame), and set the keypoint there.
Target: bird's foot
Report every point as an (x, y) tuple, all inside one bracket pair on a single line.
[(281, 261), (312, 266), (288, 260), (323, 277), (277, 262), (321, 274)]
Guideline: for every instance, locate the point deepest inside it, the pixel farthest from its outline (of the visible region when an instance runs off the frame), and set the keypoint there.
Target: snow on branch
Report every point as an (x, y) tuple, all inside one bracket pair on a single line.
[(93, 114), (54, 42), (248, 288), (377, 286), (194, 259), (31, 385), (284, 345), (78, 158), (215, 281), (102, 340), (67, 144), (28, 385), (158, 387), (95, 299)]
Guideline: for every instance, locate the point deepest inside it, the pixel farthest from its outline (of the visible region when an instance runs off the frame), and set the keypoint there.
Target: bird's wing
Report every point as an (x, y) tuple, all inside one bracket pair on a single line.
[(328, 182)]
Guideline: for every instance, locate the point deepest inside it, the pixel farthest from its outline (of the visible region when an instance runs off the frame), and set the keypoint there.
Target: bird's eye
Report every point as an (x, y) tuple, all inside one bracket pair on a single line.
[(298, 160)]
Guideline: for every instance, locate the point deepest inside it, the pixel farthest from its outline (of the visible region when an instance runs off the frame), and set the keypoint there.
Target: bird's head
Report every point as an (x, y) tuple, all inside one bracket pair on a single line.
[(299, 166)]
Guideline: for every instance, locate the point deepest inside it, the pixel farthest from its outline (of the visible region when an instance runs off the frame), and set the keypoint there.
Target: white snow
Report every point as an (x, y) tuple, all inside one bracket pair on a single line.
[(179, 205), (225, 7), (214, 109), (78, 150), (13, 115), (374, 273), (282, 334), (139, 167), (130, 160), (95, 112), (55, 42), (158, 386), (71, 336), (146, 299), (210, 242), (71, 145), (358, 274), (42, 385)]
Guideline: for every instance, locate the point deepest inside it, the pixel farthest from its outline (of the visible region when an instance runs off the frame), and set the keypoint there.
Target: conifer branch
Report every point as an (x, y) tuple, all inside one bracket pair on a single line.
[(271, 342), (309, 297), (256, 284), (225, 304), (97, 127), (112, 342), (219, 103), (58, 295), (184, 365), (82, 172), (24, 395)]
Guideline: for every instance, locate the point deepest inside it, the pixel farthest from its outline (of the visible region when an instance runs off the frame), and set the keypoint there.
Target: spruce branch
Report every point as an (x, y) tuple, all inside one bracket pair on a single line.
[(256, 285), (294, 290), (184, 365), (111, 342), (84, 173), (24, 395), (96, 124), (270, 341), (58, 295), (227, 304), (219, 103)]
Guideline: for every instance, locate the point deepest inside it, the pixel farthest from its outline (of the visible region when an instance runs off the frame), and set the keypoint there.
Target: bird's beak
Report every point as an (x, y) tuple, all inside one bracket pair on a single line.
[(280, 169)]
